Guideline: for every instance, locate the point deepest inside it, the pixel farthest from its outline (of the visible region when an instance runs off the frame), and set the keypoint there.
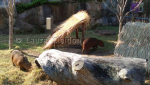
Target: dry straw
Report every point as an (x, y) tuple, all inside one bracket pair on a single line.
[(134, 41), (67, 27)]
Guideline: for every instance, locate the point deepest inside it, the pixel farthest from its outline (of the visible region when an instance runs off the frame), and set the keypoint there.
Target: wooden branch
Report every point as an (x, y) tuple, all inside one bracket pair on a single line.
[(13, 7), (7, 8), (118, 5), (125, 5), (74, 69), (113, 5), (133, 9), (118, 9), (10, 7)]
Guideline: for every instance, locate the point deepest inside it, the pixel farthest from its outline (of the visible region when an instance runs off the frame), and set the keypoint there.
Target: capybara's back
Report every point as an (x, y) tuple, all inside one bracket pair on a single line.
[(18, 59), (91, 42)]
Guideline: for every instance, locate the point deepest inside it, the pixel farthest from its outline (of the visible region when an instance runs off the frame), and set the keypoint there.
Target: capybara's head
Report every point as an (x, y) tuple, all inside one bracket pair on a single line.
[(101, 43), (28, 66)]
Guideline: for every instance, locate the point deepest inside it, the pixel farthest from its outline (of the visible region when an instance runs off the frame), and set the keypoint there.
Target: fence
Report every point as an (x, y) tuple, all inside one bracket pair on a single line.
[(137, 18)]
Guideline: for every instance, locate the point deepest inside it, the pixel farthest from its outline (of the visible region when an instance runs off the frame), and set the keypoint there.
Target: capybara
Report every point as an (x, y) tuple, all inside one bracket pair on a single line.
[(91, 42), (18, 59)]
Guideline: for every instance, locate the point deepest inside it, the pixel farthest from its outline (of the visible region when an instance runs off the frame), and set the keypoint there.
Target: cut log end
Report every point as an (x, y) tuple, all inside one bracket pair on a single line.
[(124, 74), (77, 65)]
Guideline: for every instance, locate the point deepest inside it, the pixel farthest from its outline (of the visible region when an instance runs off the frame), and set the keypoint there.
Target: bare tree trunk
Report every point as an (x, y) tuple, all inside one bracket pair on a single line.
[(10, 6), (74, 69), (120, 26), (10, 32)]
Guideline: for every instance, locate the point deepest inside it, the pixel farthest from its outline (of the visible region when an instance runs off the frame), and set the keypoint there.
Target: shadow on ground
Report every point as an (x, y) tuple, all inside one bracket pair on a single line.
[(92, 52)]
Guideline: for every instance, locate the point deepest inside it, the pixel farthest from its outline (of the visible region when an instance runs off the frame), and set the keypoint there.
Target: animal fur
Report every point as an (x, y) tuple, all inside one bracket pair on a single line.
[(91, 42), (18, 59)]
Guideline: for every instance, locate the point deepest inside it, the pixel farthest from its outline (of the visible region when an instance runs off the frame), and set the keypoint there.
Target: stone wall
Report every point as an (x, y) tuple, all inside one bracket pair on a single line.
[(37, 16), (100, 14)]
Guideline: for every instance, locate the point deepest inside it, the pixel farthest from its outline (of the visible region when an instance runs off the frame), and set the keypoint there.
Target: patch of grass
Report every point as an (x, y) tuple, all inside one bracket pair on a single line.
[(30, 41), (36, 76), (115, 28), (12, 77)]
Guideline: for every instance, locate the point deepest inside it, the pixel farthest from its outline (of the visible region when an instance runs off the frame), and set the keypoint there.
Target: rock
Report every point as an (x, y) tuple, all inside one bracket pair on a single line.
[(34, 16), (2, 22), (23, 26), (4, 31), (99, 21), (94, 10), (105, 21), (114, 21), (4, 18)]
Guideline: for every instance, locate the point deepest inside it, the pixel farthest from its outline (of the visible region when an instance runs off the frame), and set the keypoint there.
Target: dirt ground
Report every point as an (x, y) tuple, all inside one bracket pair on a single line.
[(92, 52)]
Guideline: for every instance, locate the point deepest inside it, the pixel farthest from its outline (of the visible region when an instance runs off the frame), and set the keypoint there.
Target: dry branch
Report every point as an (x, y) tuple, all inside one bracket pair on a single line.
[(74, 69)]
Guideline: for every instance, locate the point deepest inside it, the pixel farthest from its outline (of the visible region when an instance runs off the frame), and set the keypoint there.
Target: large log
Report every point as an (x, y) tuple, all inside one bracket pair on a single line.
[(73, 69)]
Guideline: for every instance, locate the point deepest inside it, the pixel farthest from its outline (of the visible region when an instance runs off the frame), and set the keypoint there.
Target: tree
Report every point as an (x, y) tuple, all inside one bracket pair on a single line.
[(119, 10), (10, 5)]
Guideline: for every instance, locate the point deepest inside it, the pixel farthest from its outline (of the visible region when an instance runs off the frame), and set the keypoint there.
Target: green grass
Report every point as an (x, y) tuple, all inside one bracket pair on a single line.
[(10, 75)]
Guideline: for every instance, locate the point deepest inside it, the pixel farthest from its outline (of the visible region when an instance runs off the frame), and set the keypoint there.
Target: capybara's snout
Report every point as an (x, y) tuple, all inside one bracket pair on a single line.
[(101, 44)]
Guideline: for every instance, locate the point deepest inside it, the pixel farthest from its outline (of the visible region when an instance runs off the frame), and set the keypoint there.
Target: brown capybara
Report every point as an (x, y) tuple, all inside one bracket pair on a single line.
[(91, 42), (18, 59)]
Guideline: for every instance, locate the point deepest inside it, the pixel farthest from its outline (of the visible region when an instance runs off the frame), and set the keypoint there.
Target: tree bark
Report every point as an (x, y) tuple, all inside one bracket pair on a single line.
[(10, 32), (120, 26), (74, 69), (10, 6)]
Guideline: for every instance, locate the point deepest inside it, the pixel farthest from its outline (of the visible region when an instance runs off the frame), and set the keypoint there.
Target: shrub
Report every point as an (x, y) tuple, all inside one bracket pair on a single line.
[(22, 7)]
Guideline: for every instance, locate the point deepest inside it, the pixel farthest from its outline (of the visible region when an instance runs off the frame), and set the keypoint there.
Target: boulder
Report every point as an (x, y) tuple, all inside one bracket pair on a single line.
[(4, 18), (34, 16), (23, 26), (100, 14)]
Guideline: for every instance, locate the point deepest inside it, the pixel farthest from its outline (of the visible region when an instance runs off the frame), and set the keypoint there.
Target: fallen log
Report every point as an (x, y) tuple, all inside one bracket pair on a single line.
[(73, 69)]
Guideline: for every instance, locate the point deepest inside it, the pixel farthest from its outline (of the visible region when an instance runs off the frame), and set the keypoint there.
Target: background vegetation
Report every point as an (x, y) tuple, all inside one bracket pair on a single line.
[(22, 7)]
